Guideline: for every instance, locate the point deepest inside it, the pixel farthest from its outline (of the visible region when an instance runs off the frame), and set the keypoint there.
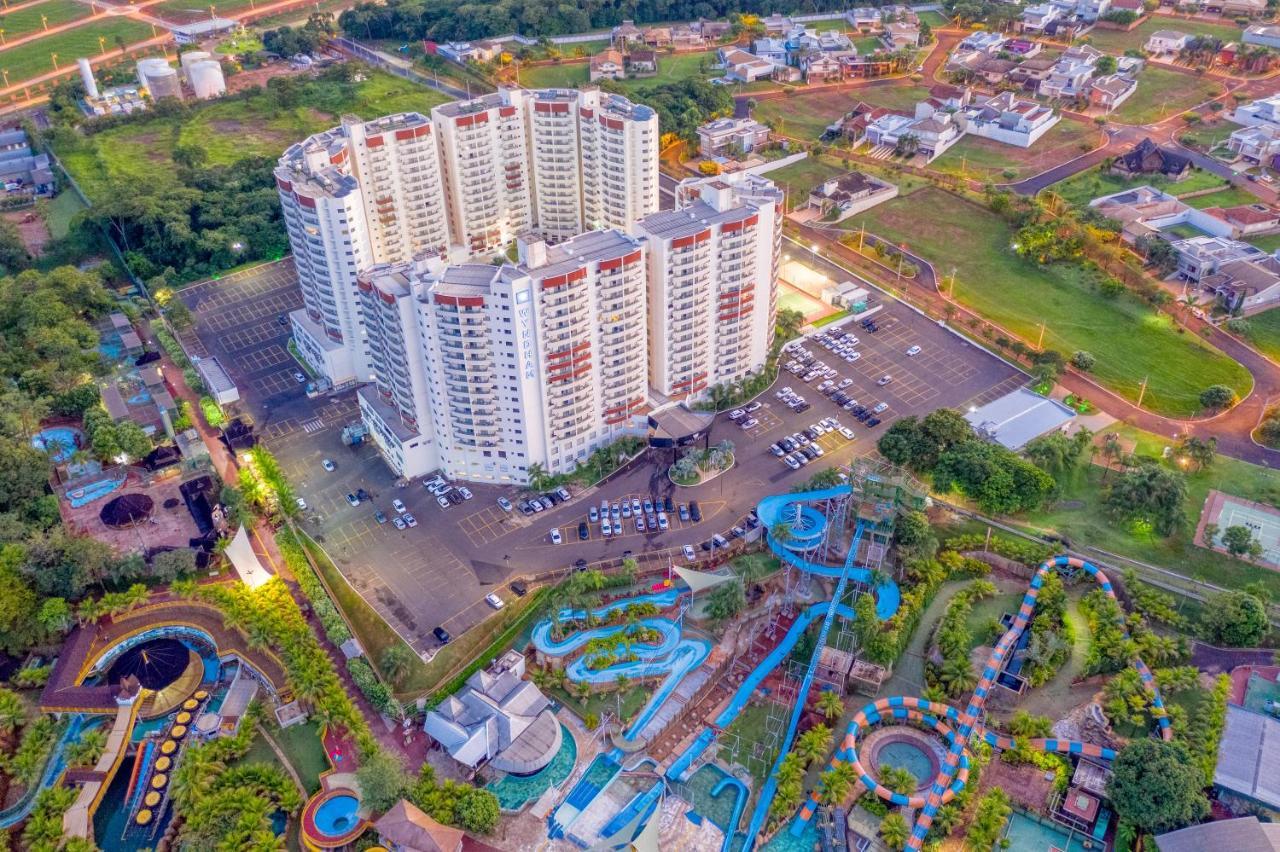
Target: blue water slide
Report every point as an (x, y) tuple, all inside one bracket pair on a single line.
[(688, 655), (54, 766), (739, 805)]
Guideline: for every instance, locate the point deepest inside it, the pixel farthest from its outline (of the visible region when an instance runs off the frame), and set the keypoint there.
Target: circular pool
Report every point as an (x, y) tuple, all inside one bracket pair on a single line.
[(332, 819), (905, 752)]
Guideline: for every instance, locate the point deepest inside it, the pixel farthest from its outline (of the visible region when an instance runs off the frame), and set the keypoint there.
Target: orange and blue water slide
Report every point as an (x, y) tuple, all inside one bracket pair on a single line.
[(961, 727)]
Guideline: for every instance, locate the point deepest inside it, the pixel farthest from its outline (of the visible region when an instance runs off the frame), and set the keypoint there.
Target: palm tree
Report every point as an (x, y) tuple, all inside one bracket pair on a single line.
[(955, 676), (395, 663), (814, 744), (893, 831), (897, 779), (830, 705)]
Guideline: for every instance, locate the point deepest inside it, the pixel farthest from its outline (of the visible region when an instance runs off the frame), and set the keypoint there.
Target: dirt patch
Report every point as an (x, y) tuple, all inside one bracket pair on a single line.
[(31, 227), (259, 76)]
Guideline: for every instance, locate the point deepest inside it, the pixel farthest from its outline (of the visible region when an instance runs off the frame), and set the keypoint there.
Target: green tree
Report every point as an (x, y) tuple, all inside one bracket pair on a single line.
[(988, 820), (477, 811), (396, 662), (813, 744), (914, 535), (1083, 360), (898, 779), (382, 779), (1152, 493), (894, 831), (726, 601), (1237, 539), (1235, 619), (1156, 786), (1216, 397), (169, 565), (830, 705)]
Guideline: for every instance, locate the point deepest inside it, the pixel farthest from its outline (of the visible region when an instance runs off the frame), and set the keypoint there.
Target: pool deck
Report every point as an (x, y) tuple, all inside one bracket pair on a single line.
[(172, 527)]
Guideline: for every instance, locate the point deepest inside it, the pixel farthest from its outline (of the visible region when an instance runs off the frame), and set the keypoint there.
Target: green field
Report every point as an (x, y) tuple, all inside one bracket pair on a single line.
[(988, 160), (671, 68), (801, 177), (24, 22), (1162, 93), (59, 212), (1129, 339), (1264, 328), (194, 10), (806, 115), (232, 129), (1088, 523), (33, 58), (1117, 42), (1230, 196), (934, 19), (1267, 242), (1206, 137), (1080, 189)]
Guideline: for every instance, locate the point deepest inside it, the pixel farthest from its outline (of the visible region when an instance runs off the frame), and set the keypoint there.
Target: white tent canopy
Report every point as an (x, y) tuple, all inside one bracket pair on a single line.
[(702, 580), (245, 560)]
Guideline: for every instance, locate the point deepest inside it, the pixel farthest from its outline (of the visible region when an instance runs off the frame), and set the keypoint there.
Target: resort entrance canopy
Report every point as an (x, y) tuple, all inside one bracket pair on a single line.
[(246, 561)]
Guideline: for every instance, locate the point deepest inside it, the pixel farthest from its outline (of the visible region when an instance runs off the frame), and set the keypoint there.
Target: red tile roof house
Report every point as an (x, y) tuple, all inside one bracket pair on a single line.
[(1248, 219)]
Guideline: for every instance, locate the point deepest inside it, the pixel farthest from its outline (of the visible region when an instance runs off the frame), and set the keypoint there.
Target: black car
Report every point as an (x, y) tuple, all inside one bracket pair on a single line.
[(810, 434), (553, 497), (362, 494), (668, 505), (752, 522), (584, 531), (282, 320), (519, 587), (455, 498), (859, 409), (802, 408), (706, 545), (580, 565), (873, 422), (442, 635), (525, 508), (840, 398), (695, 511)]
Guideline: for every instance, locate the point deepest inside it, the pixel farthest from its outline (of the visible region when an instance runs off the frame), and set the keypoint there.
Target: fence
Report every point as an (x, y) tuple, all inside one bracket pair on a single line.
[(380, 60)]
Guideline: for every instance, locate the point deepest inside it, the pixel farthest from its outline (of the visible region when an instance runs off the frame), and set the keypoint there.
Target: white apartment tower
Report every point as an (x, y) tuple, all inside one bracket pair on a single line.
[(354, 196), (483, 370), (713, 269)]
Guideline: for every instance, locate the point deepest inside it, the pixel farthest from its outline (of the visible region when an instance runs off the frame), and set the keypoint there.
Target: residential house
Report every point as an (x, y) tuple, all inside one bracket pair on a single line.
[(607, 65), (498, 717), (1022, 48), (994, 70), (787, 74), (1245, 834), (777, 24), (864, 19), (1266, 35), (1009, 119), (742, 135), (948, 97), (1135, 6), (822, 69), (964, 62), (1071, 73), (931, 136), (983, 41), (463, 52), (1166, 42), (743, 67), (1085, 10), (1248, 219), (1036, 18), (1129, 65), (843, 196), (1202, 256), (686, 37), (713, 30), (625, 34), (1246, 285), (1030, 74), (1145, 211), (898, 36), (1148, 158), (1109, 91), (1242, 8), (656, 36), (1258, 144), (21, 165), (853, 126), (1262, 111), (642, 62), (872, 65), (772, 49)]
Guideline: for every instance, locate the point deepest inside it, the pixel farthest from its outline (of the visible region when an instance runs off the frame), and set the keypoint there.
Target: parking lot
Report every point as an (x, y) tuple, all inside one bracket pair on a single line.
[(437, 573)]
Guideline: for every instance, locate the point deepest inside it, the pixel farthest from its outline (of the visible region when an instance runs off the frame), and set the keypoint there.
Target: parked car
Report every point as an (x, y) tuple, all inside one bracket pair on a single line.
[(584, 531), (684, 512), (563, 493), (443, 501), (776, 450), (299, 377), (302, 504), (695, 511), (737, 414), (504, 504), (606, 528), (353, 499), (398, 506), (668, 505), (873, 422), (555, 536), (380, 516), (663, 523), (410, 520), (465, 492), (493, 600), (689, 552), (791, 462), (753, 406), (884, 380), (519, 588), (880, 408), (398, 523), (914, 350), (846, 431), (749, 423), (442, 635), (327, 465), (593, 514)]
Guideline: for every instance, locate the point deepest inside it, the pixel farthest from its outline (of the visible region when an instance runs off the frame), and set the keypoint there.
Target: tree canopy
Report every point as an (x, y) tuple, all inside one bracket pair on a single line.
[(1150, 493), (1157, 787), (1235, 619)]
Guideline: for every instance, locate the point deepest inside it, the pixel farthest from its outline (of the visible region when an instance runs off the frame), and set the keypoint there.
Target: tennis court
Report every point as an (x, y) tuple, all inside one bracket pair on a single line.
[(1263, 521), (800, 289)]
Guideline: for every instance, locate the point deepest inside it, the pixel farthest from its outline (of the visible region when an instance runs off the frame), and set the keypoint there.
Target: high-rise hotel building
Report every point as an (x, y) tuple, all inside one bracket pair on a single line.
[(483, 370), (462, 184)]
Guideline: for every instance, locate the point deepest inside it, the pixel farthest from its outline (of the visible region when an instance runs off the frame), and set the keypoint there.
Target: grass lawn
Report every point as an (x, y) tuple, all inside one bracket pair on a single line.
[(1266, 242), (671, 68), (302, 745), (33, 58), (230, 129), (934, 19), (24, 22), (1081, 516), (185, 7), (805, 115), (1117, 42), (749, 728), (800, 177), (59, 212), (1230, 196), (608, 703), (1080, 189), (246, 43), (1162, 93), (988, 160), (867, 44), (1264, 328), (985, 610), (1129, 339), (1206, 136)]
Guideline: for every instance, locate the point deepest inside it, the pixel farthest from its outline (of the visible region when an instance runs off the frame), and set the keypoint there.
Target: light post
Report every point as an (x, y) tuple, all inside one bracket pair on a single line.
[(5, 72), (102, 45), (54, 56), (44, 20)]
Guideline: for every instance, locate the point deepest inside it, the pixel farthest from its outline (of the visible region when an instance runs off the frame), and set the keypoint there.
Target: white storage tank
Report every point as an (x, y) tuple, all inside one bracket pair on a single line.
[(206, 79), (159, 78), (191, 57), (86, 76)]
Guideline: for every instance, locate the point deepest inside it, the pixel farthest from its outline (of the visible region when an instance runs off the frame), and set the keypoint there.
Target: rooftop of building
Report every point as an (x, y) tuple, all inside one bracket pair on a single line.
[(584, 248)]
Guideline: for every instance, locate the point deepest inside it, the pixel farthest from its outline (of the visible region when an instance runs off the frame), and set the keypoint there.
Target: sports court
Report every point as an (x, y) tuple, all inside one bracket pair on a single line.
[(1226, 510), (801, 290)]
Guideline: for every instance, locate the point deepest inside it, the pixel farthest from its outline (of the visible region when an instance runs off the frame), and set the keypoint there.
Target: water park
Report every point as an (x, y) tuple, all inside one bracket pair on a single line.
[(648, 718)]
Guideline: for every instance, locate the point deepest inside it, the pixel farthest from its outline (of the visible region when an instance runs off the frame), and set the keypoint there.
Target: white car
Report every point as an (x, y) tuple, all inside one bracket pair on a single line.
[(884, 380), (398, 523), (737, 414), (753, 406), (853, 356), (299, 378), (914, 350), (844, 383), (846, 431), (662, 521), (791, 462), (555, 537), (494, 601), (749, 423), (302, 504), (880, 408), (327, 465), (606, 529), (818, 429), (689, 553), (433, 484), (465, 492), (504, 504), (399, 507), (410, 520), (443, 501)]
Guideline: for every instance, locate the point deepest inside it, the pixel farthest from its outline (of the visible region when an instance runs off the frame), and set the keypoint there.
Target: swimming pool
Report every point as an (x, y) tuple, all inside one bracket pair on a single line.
[(60, 442), (337, 815), (516, 791), (1027, 834), (78, 497), (907, 755)]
